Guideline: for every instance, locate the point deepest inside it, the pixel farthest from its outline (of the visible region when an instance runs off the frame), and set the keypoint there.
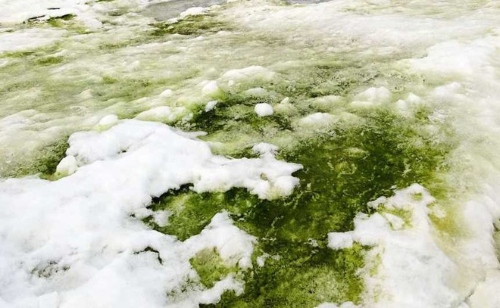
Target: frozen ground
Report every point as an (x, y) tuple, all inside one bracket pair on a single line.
[(249, 153)]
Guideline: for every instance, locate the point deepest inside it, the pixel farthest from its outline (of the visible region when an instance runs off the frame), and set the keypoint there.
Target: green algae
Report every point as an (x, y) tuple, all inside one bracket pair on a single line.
[(449, 223), (60, 21), (51, 60), (191, 25), (43, 162), (236, 113), (323, 276), (66, 21), (210, 267), (344, 169)]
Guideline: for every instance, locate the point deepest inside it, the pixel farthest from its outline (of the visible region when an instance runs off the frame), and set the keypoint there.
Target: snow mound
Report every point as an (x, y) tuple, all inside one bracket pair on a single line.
[(79, 241)]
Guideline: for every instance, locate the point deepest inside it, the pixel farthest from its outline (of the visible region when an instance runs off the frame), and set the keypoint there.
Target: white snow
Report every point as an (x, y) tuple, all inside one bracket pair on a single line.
[(79, 241), (210, 105), (343, 305), (413, 271), (265, 149), (256, 92), (28, 39), (163, 113), (67, 166), (108, 121), (194, 11), (166, 93), (251, 72), (16, 12), (263, 109), (74, 242), (317, 119), (210, 87)]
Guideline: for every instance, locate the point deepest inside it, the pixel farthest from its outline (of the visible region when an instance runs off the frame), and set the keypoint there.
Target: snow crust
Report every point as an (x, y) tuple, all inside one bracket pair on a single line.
[(79, 242)]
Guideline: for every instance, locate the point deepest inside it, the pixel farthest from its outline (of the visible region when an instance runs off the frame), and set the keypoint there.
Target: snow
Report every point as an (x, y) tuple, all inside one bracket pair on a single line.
[(263, 109), (67, 166), (83, 231), (413, 271), (210, 106), (107, 121), (194, 11), (317, 119), (16, 12), (80, 232), (166, 93), (343, 305), (248, 73), (28, 39), (163, 113), (210, 87)]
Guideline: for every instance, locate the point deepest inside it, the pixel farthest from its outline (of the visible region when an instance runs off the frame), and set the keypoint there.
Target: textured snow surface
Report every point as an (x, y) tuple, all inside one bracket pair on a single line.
[(77, 241), (26, 39), (408, 257)]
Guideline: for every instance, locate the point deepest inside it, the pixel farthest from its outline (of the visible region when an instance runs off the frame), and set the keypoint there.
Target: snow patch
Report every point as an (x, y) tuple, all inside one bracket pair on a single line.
[(76, 241), (264, 109), (411, 269), (28, 39)]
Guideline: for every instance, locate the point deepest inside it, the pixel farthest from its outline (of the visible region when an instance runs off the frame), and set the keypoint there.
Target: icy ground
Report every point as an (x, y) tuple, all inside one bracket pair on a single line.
[(249, 153)]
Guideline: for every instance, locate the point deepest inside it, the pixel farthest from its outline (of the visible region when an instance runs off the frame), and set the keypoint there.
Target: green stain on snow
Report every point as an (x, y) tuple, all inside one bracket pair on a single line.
[(235, 113), (318, 275), (191, 25), (344, 169), (60, 21), (43, 162), (51, 60), (345, 166), (210, 267)]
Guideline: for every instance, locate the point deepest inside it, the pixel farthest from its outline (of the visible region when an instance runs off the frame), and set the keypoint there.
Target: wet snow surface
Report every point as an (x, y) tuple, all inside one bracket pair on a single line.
[(249, 153)]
